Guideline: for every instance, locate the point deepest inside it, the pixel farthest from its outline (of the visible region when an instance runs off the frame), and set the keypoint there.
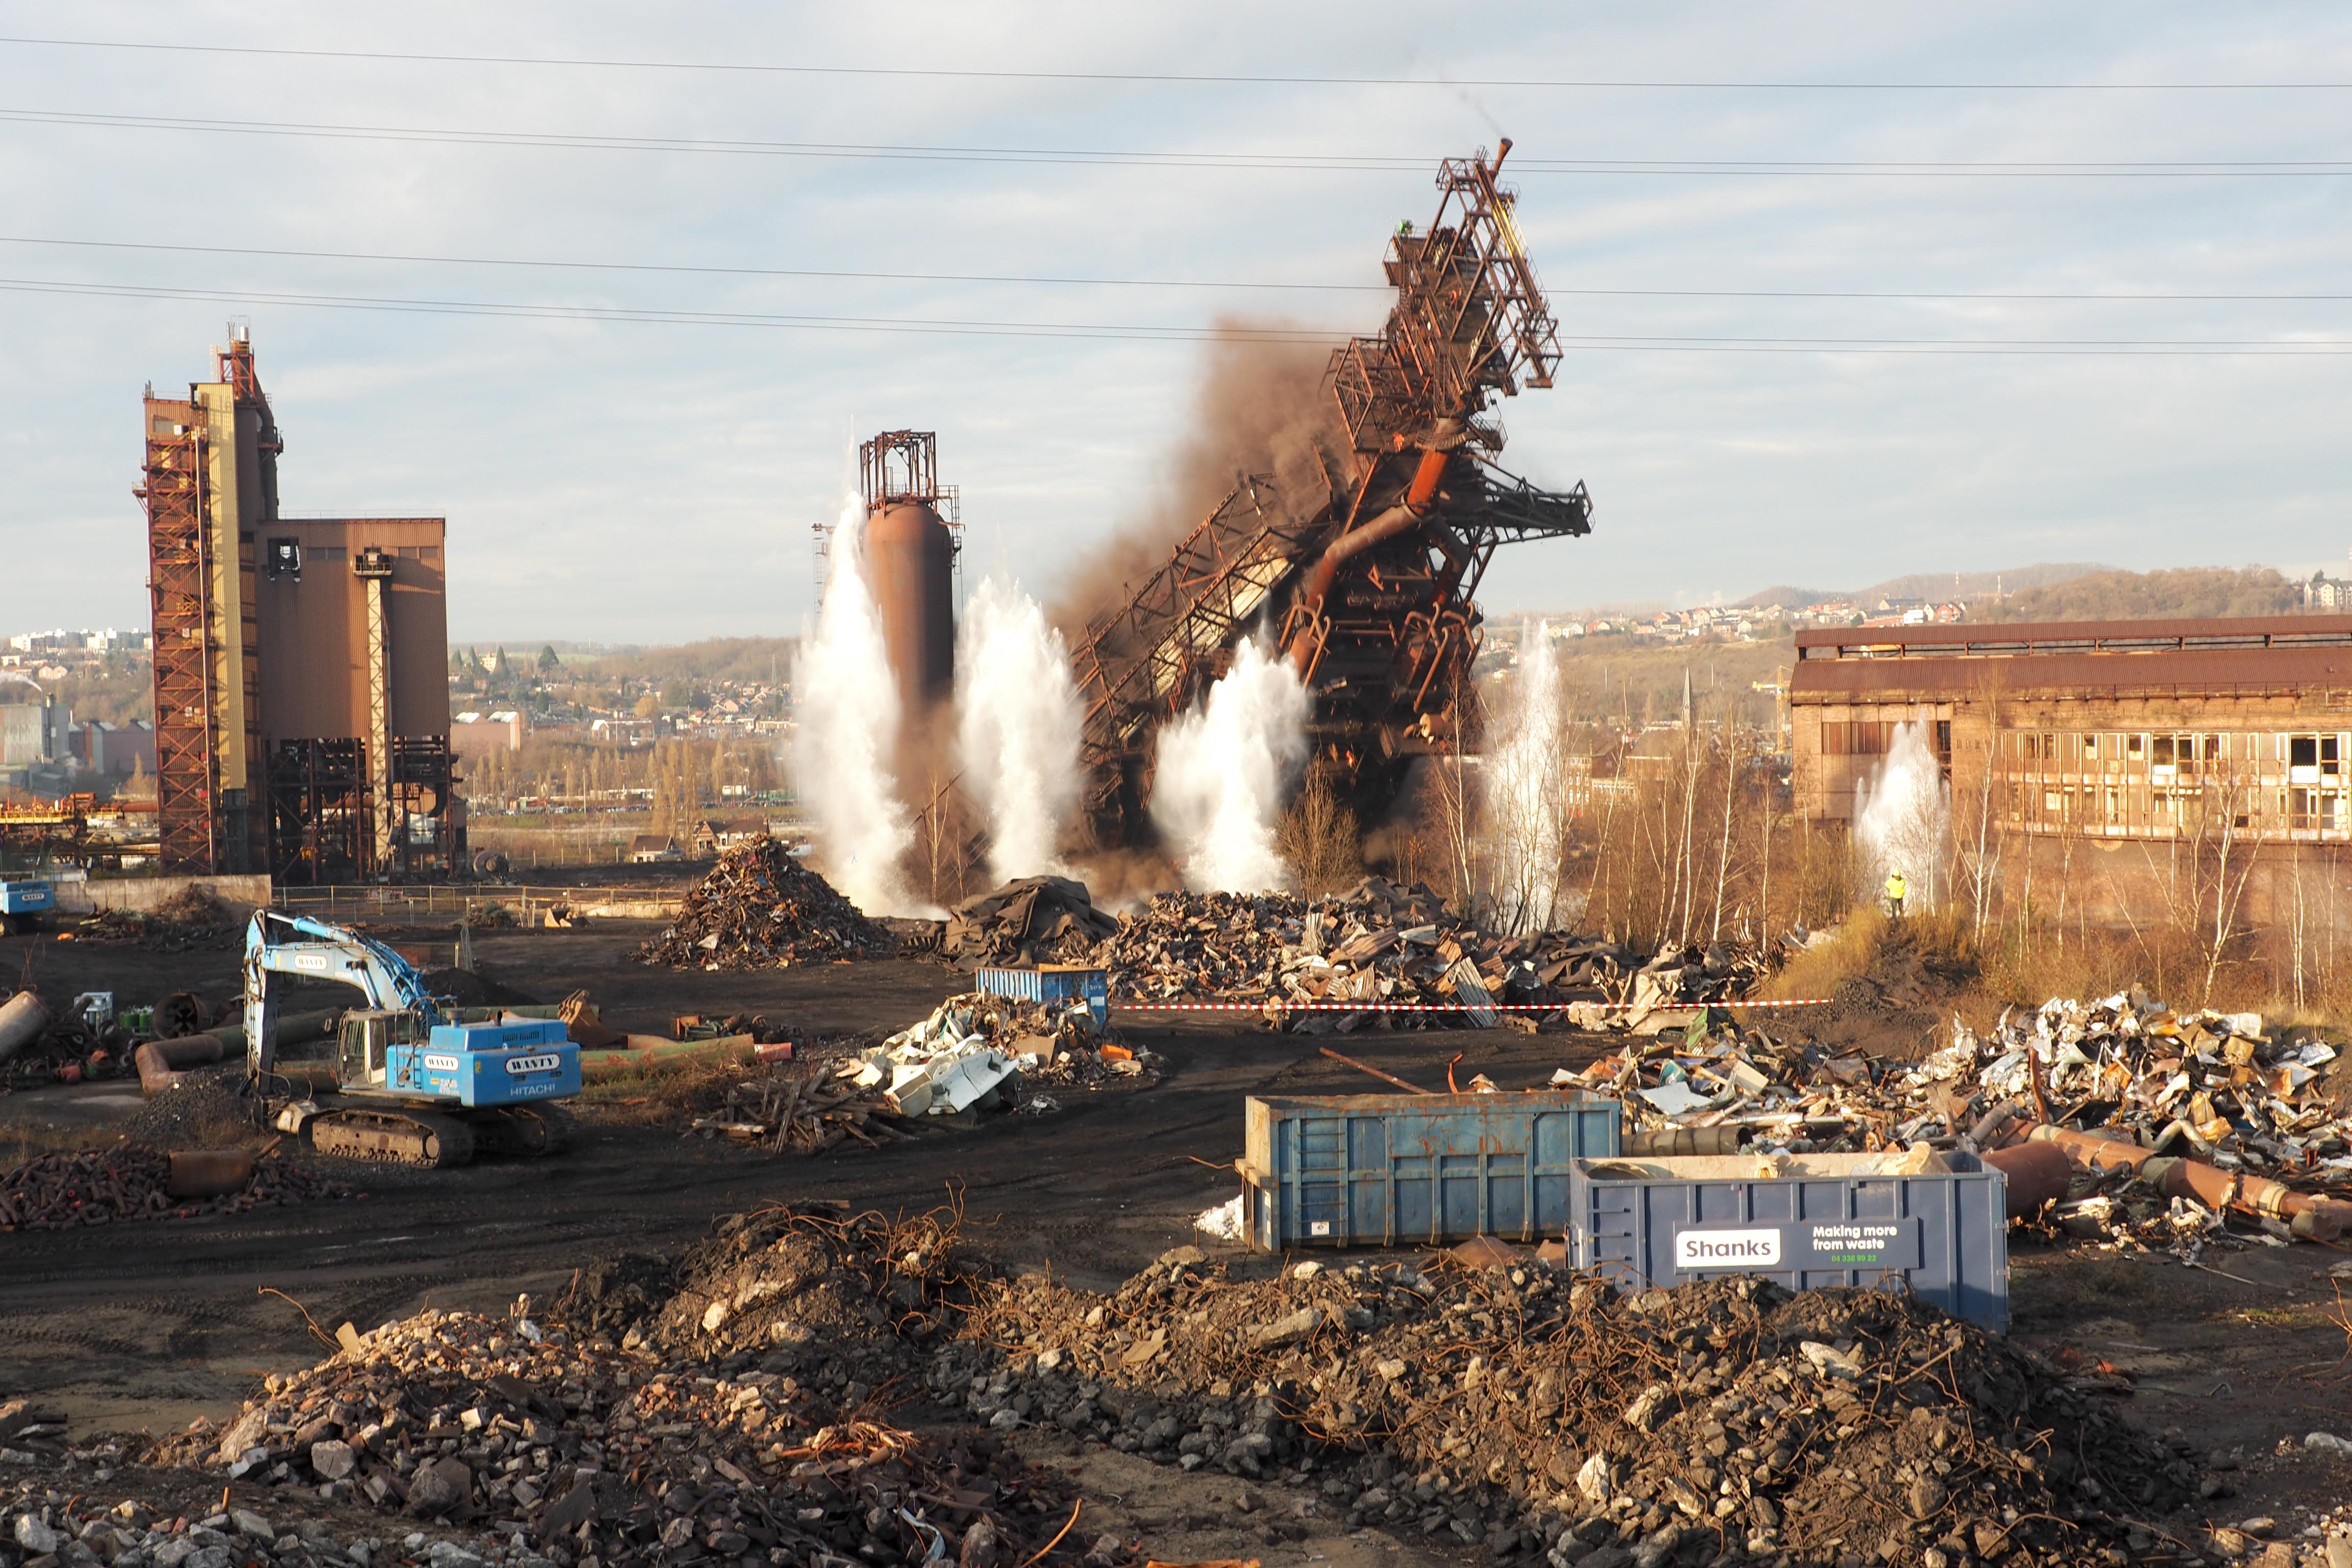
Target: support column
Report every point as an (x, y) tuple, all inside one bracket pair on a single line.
[(373, 565)]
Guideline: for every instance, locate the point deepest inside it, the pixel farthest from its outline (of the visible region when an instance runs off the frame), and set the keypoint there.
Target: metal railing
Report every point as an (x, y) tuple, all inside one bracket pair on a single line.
[(422, 902)]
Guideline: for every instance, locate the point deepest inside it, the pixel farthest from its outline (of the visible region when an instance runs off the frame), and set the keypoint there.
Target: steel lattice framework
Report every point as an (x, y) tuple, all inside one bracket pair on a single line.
[(180, 575), (1373, 588)]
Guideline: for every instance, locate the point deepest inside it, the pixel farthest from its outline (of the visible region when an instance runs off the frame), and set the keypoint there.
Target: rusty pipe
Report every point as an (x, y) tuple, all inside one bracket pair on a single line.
[(1418, 495), (209, 1172), (2315, 1218), (2039, 1173), (164, 1063)]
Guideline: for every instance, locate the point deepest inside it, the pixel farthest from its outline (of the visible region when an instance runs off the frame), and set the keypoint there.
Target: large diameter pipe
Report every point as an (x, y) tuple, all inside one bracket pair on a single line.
[(1418, 495), (209, 1172), (2038, 1174), (162, 1064), (22, 1020), (2313, 1219)]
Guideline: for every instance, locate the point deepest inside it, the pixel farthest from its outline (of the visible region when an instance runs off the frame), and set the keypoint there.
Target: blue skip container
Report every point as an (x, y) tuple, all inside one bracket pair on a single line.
[(1390, 1170), (1051, 984), (1936, 1222)]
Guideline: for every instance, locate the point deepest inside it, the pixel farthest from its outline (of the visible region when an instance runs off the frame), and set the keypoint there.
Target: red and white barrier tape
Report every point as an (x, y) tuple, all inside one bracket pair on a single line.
[(1284, 1003)]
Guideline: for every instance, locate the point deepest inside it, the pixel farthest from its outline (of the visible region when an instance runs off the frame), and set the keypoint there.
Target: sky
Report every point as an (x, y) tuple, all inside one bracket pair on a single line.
[(1044, 219)]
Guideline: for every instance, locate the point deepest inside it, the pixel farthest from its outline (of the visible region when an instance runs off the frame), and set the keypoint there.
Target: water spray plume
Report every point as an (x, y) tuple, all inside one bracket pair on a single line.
[(1526, 786), (848, 705), (1902, 818), (1018, 729), (1224, 770)]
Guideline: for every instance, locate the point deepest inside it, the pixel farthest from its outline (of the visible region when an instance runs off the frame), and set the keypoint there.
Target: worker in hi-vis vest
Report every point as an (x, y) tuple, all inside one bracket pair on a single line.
[(1895, 888)]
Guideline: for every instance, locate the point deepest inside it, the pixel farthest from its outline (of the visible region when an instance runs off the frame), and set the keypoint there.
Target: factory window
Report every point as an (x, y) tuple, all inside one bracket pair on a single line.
[(1944, 742), (429, 553), (2330, 751), (1837, 738), (2302, 751), (2091, 747), (326, 552), (2161, 756), (2052, 806), (2135, 747), (285, 557)]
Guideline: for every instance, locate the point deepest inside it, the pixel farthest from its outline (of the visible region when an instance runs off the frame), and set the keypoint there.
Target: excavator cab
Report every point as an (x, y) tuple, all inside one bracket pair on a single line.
[(366, 1042)]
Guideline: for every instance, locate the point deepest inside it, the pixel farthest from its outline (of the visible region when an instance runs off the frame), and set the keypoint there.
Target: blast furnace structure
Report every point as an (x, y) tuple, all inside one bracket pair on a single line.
[(1370, 584), (301, 691), (909, 550)]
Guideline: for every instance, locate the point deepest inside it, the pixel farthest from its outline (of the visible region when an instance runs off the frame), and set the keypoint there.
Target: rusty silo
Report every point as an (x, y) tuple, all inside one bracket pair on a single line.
[(909, 553)]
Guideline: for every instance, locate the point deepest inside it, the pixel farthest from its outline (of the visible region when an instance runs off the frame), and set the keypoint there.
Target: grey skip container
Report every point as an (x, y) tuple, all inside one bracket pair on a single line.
[(1820, 1220), (1387, 1170), (1051, 983)]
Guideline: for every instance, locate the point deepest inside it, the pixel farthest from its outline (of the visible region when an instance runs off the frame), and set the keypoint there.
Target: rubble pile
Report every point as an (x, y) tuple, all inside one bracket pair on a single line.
[(1545, 1415), (1037, 920), (598, 1456), (191, 918), (760, 908), (2213, 1085), (1055, 1043), (732, 1422), (1381, 942), (131, 1181), (802, 1109)]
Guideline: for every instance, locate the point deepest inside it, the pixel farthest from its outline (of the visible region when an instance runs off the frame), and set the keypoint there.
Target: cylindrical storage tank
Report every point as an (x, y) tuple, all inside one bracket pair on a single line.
[(910, 564)]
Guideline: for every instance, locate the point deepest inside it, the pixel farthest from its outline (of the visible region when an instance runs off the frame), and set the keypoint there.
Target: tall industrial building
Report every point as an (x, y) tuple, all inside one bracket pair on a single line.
[(301, 700)]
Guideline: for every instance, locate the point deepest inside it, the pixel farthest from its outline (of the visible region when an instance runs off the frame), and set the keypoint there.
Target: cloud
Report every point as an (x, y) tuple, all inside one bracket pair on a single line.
[(645, 482)]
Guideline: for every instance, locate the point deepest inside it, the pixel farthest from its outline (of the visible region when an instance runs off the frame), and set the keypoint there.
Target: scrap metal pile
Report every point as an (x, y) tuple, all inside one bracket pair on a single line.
[(1544, 1414), (804, 1110), (2175, 1123), (1037, 920), (978, 1049), (1379, 943), (191, 918), (732, 1424), (56, 1192), (759, 909)]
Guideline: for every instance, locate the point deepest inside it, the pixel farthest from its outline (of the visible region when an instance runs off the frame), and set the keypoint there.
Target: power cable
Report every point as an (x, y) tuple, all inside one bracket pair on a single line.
[(2255, 348), (1184, 78), (1705, 168), (1058, 281)]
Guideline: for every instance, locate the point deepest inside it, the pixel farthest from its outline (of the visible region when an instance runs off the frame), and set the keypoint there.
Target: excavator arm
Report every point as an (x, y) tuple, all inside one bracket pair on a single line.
[(280, 944)]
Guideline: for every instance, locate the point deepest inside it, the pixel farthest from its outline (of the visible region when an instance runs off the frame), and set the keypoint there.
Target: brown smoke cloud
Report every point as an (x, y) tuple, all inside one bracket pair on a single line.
[(1262, 408)]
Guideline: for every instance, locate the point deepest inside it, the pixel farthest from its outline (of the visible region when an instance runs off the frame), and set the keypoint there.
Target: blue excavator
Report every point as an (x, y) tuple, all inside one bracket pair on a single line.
[(412, 1085)]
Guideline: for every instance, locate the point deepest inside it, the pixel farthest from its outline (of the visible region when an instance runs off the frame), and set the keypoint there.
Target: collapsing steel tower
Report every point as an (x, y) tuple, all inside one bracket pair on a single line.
[(1370, 588)]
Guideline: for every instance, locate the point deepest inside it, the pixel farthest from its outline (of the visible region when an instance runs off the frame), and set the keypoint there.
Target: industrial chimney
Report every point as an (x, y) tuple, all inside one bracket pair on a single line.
[(909, 556)]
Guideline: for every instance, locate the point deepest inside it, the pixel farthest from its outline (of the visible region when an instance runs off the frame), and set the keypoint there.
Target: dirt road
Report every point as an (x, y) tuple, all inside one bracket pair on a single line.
[(150, 1325)]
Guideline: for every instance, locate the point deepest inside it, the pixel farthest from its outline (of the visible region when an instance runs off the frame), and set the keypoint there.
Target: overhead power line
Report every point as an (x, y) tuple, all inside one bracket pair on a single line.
[(1135, 332), (568, 264), (1316, 163), (1180, 78)]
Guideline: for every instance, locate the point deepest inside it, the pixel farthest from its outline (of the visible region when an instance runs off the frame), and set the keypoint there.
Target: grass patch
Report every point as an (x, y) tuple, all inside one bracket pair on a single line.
[(1850, 950)]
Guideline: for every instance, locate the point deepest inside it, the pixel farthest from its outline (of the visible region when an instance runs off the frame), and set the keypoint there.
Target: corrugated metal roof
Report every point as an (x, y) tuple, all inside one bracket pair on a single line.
[(2202, 672), (2049, 638)]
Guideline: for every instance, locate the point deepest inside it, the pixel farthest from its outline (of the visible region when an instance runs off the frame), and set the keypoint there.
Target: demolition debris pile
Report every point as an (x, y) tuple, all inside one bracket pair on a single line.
[(1383, 944), (2173, 1123), (1037, 920), (759, 909), (733, 1421), (1541, 1412), (56, 1192), (191, 918)]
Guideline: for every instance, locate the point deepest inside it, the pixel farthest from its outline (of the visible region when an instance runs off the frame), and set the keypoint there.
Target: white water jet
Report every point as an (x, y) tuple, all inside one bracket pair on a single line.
[(848, 705), (1526, 787), (1225, 770), (1018, 724), (1902, 818)]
